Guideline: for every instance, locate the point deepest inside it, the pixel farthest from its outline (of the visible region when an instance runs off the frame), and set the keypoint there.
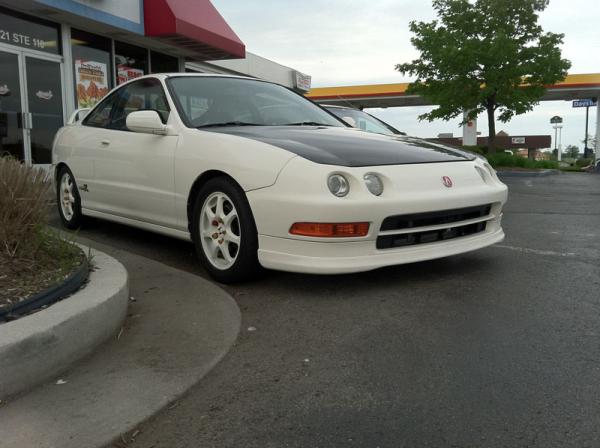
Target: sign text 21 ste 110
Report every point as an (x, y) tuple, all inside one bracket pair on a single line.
[(21, 40)]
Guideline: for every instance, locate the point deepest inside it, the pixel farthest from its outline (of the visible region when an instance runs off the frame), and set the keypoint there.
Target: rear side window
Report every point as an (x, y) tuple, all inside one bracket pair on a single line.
[(145, 94)]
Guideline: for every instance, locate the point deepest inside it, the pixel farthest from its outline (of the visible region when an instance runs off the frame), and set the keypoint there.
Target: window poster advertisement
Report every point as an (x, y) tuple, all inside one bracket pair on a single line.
[(125, 73), (92, 82)]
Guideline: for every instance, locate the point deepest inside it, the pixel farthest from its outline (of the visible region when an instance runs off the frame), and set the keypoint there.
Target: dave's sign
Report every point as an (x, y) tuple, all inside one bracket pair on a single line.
[(585, 103)]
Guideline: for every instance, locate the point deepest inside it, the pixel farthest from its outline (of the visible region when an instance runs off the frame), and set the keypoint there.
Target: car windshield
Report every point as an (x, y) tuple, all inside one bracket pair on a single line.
[(362, 120), (220, 101)]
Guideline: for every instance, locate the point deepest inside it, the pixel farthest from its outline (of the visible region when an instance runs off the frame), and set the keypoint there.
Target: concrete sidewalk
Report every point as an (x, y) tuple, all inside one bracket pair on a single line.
[(178, 327)]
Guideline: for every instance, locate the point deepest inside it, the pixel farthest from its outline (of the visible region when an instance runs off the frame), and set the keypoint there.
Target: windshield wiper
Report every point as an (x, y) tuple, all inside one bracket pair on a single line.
[(229, 123), (306, 123)]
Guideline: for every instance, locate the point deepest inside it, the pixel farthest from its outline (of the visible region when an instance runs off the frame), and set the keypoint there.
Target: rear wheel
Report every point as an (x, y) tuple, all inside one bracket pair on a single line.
[(224, 232), (68, 200)]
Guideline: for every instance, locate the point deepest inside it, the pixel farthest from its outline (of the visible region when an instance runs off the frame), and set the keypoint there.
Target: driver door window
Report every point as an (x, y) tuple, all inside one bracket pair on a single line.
[(100, 117), (145, 94)]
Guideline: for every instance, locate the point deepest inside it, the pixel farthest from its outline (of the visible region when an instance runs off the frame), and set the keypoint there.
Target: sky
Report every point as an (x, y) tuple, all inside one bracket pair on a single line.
[(349, 42)]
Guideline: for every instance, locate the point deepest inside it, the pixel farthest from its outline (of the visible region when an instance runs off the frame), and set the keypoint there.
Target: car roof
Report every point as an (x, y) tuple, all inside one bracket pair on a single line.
[(335, 106), (198, 75)]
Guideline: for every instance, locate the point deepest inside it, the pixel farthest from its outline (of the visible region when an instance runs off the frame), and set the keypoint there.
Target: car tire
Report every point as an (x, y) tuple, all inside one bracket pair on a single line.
[(68, 199), (224, 232)]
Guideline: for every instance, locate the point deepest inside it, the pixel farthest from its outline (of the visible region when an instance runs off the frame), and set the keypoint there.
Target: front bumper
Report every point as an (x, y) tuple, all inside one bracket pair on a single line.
[(408, 190), (311, 257)]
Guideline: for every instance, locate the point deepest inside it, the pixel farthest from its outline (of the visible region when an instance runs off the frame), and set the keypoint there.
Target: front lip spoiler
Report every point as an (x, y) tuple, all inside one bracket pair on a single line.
[(286, 261)]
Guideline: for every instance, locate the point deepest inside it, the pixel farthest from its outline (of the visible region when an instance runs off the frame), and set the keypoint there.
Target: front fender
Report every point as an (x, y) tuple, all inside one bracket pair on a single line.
[(252, 164)]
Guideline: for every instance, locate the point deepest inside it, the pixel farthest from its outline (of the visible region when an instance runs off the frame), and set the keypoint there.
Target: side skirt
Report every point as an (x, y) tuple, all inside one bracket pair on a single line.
[(179, 234)]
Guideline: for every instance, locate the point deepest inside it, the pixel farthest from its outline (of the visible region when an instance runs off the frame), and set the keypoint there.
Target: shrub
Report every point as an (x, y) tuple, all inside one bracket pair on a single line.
[(583, 162), (23, 210), (571, 169), (478, 149), (504, 159)]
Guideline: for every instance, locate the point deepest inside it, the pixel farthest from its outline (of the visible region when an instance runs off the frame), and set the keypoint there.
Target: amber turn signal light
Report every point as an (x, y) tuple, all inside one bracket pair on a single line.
[(330, 230)]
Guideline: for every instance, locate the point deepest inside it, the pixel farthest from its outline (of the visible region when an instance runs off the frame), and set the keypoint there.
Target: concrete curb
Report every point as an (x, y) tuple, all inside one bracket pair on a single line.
[(541, 173), (37, 347), (178, 328)]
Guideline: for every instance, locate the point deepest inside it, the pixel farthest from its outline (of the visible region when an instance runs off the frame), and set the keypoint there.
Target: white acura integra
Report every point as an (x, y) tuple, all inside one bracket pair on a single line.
[(255, 174)]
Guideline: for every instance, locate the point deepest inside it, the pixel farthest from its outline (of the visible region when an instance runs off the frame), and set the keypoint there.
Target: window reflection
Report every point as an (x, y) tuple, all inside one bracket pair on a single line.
[(130, 62)]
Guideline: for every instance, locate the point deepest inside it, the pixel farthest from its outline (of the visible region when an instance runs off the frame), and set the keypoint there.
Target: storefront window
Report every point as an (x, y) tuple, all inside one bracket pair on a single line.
[(162, 63), (27, 32), (92, 67), (130, 62)]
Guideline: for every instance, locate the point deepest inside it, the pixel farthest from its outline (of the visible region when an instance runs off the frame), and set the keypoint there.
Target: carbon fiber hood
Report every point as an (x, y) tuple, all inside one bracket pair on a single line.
[(348, 147)]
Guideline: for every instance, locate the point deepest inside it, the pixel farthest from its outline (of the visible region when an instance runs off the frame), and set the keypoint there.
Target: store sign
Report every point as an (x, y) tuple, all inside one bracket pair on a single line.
[(518, 140), (125, 73), (28, 34), (130, 10), (585, 103), (556, 120), (302, 81), (91, 79)]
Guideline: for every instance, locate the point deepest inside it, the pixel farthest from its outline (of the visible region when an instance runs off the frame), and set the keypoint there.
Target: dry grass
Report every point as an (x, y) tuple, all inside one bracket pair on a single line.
[(32, 258), (23, 192)]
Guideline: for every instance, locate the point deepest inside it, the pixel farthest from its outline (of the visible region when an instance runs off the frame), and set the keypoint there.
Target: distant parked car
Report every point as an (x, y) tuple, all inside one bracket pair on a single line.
[(257, 175), (362, 120)]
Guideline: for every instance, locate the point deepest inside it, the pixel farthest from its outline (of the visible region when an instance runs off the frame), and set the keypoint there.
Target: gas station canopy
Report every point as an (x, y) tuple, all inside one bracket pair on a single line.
[(394, 95)]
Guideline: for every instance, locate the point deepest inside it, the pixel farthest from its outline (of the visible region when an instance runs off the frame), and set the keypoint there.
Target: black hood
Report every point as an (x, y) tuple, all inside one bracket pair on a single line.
[(348, 147)]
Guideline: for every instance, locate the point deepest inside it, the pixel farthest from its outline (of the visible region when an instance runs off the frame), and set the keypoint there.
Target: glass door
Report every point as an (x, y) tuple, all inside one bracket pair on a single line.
[(44, 106), (12, 135)]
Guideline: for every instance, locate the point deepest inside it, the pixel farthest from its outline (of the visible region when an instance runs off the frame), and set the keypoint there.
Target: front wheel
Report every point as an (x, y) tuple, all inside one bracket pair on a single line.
[(224, 232)]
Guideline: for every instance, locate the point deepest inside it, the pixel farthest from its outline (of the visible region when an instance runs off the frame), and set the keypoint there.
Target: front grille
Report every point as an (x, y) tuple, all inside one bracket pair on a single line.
[(428, 236), (400, 222), (418, 221)]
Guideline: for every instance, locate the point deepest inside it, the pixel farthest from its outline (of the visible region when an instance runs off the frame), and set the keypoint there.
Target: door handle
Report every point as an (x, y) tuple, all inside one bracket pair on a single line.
[(105, 142), (26, 121)]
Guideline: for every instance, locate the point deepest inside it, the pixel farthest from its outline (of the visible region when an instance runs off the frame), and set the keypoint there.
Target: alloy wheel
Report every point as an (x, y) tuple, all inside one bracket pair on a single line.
[(67, 198), (220, 230)]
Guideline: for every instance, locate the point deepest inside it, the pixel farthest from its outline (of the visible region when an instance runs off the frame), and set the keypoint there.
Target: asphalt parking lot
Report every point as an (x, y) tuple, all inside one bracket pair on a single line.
[(496, 348)]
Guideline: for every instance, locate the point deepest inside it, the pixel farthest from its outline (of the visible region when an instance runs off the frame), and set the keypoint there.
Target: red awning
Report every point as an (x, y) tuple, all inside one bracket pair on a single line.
[(193, 25)]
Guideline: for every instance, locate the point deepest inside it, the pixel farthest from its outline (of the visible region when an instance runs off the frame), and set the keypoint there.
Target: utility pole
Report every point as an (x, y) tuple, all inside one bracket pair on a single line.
[(587, 119)]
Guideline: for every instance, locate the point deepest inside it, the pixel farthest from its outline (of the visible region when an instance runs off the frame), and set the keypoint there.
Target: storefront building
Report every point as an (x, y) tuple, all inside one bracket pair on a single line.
[(60, 55)]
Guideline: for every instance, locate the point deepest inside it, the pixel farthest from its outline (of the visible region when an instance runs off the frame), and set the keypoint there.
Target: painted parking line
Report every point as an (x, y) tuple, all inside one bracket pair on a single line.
[(527, 250)]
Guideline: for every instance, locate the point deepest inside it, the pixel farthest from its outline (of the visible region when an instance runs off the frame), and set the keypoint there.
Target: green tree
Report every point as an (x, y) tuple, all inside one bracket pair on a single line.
[(484, 55), (591, 141), (571, 151)]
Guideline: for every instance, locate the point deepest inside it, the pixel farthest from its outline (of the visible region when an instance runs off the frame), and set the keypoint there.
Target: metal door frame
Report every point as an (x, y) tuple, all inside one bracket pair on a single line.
[(22, 54), (24, 106)]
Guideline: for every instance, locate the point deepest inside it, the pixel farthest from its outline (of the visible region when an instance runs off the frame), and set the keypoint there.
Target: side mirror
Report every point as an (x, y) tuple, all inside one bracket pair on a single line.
[(146, 122), (351, 121)]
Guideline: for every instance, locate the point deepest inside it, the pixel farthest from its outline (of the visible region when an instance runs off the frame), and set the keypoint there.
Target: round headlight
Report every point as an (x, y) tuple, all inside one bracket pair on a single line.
[(338, 185), (373, 183)]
